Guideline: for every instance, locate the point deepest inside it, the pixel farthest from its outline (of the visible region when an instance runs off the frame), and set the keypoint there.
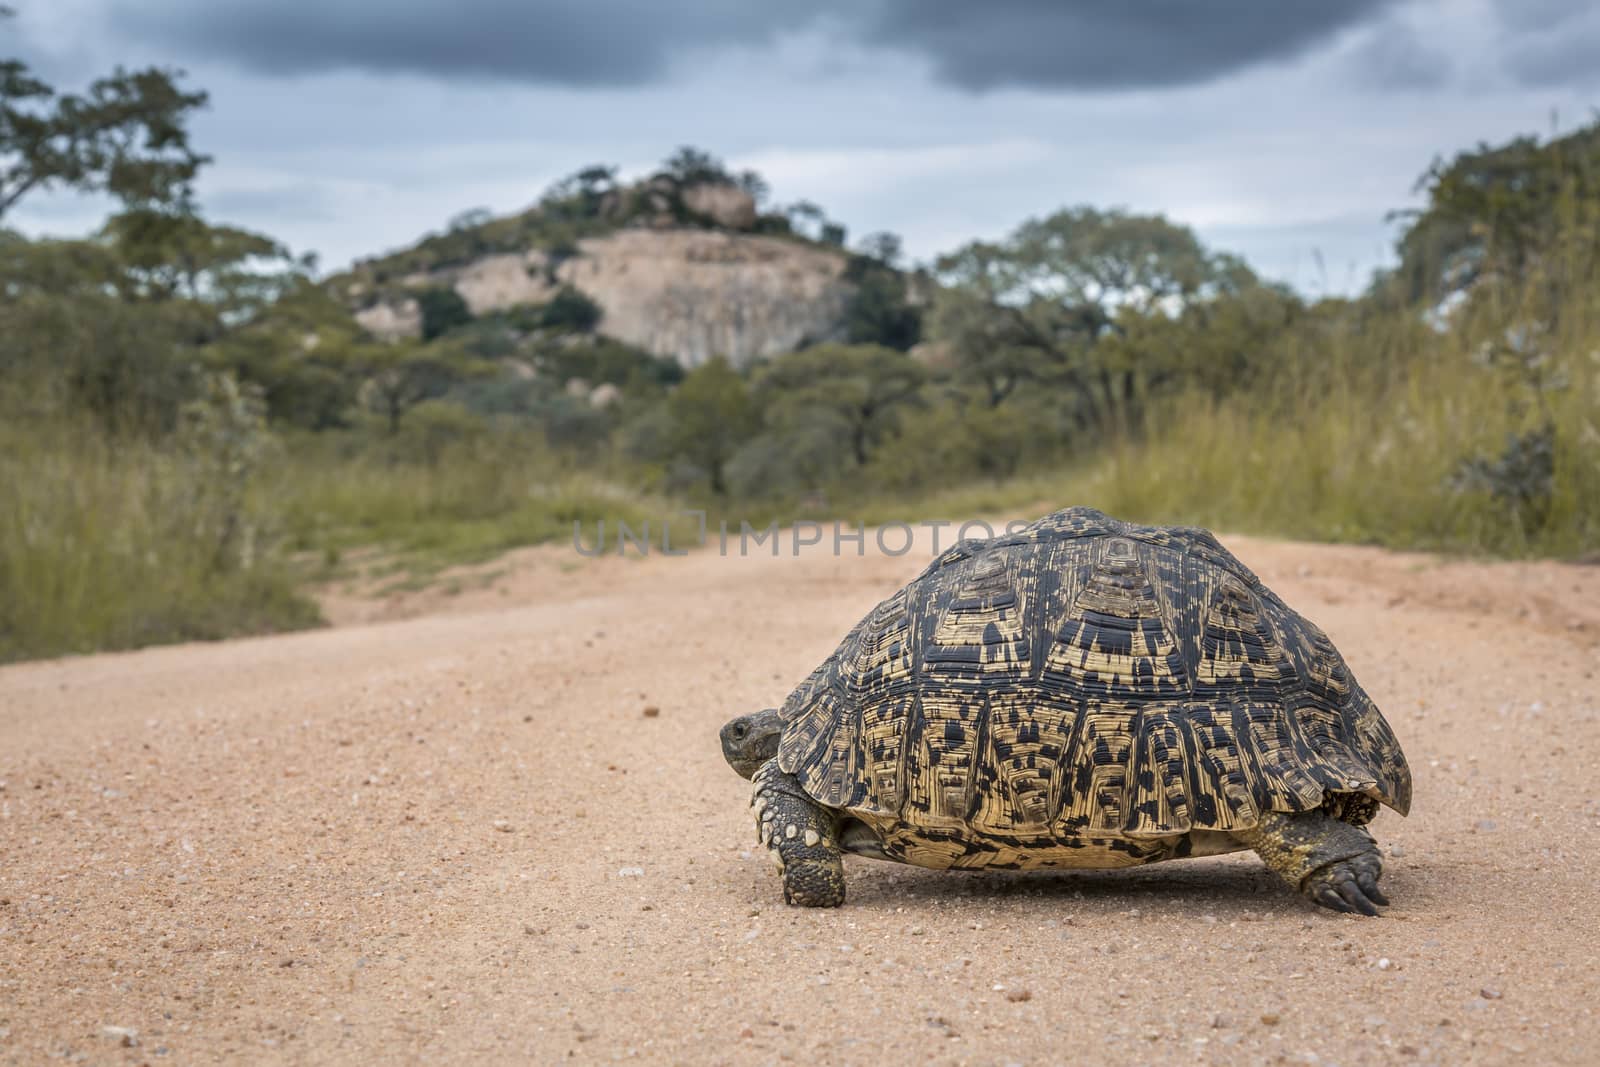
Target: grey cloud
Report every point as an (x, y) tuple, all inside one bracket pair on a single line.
[(1081, 44), (1557, 62), (1539, 15), (1550, 43), (1394, 56), (1089, 45), (583, 43)]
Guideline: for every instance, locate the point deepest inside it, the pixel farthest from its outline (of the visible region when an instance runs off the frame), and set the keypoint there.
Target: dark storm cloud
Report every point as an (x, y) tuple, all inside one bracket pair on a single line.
[(1104, 45), (591, 43), (586, 43)]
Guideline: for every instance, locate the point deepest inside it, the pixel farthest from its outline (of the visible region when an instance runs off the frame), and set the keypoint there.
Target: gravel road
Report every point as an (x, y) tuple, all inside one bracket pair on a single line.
[(496, 827)]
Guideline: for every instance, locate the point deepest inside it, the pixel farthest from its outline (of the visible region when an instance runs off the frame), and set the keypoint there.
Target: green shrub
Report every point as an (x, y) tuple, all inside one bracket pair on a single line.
[(443, 309)]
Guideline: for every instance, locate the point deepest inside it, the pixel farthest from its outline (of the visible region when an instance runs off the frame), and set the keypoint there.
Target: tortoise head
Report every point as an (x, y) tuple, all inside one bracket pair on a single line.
[(751, 740)]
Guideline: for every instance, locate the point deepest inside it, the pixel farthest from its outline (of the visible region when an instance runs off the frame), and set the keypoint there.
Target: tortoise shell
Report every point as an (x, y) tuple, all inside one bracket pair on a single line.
[(1085, 684)]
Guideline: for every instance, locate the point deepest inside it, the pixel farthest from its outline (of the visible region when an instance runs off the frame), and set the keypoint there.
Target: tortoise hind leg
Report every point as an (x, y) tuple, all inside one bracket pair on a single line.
[(1328, 860), (802, 838)]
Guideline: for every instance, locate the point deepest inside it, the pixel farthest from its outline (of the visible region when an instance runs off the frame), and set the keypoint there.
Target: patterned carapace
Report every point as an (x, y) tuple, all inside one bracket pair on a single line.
[(1085, 693)]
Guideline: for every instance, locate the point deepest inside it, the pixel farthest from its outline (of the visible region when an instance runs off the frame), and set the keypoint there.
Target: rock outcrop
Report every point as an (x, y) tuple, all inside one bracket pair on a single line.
[(723, 203), (684, 294), (392, 321), (693, 294)]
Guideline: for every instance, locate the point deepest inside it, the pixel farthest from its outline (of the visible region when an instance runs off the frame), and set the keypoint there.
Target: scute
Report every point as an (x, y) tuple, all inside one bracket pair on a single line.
[(1085, 678)]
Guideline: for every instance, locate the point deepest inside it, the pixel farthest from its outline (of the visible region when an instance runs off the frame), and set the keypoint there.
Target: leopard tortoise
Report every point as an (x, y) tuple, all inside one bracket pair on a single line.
[(1083, 693)]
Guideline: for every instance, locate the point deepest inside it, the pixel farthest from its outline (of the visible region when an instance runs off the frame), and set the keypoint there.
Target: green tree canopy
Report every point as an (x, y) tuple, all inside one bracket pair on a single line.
[(862, 387), (125, 135), (1036, 306), (689, 165), (711, 414), (1492, 211)]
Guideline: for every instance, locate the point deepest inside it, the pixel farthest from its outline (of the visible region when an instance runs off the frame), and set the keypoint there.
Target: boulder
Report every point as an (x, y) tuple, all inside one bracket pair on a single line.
[(723, 203)]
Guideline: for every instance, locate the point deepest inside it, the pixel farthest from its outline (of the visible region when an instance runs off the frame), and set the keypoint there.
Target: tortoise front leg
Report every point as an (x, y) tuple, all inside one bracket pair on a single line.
[(1334, 863), (801, 836)]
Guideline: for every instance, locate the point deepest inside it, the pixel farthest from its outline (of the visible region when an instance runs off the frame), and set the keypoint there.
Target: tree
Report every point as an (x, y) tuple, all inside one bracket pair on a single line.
[(862, 386), (802, 216), (571, 310), (990, 344), (582, 192), (1491, 212), (1088, 262), (304, 352), (754, 184), (443, 309), (399, 377), (711, 415), (880, 312), (883, 246), (71, 343), (469, 219), (116, 324), (1038, 305), (689, 165), (169, 256), (125, 136)]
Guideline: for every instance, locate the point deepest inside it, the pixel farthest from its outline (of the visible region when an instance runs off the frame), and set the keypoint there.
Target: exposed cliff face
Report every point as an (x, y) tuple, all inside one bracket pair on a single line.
[(686, 294), (693, 294)]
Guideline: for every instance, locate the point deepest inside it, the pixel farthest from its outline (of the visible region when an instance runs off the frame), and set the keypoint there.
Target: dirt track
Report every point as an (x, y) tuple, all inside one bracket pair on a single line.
[(458, 838)]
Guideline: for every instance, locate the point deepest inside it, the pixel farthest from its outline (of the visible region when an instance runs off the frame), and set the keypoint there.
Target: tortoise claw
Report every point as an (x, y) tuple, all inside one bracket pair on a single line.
[(1349, 885), (1369, 885)]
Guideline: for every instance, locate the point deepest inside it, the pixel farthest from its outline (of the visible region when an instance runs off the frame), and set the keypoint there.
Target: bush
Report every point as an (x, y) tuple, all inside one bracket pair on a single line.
[(443, 309), (571, 310)]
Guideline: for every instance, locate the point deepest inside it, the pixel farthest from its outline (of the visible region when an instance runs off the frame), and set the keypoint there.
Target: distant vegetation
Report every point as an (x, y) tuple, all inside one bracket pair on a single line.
[(193, 427)]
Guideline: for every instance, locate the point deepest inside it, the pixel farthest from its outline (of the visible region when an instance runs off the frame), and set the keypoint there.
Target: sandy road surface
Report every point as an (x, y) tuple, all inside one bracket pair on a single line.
[(457, 838)]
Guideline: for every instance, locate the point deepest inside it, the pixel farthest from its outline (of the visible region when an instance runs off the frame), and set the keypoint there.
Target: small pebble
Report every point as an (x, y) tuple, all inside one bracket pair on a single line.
[(127, 1035), (1385, 964), (1017, 996), (503, 825), (1269, 1019), (651, 711), (631, 872), (1396, 851), (1489, 994)]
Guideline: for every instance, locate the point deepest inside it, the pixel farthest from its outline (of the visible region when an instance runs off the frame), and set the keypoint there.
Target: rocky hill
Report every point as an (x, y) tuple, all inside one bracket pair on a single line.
[(685, 269)]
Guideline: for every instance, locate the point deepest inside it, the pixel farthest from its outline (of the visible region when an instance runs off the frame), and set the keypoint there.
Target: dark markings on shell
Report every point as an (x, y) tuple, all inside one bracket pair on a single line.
[(1085, 684)]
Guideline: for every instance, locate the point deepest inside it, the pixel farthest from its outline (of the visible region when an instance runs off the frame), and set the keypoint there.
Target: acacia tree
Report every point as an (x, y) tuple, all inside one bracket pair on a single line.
[(1037, 306), (125, 136), (862, 387)]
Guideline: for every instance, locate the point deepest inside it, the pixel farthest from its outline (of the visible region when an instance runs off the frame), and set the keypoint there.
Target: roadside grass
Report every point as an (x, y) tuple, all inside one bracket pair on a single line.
[(107, 545), (467, 502)]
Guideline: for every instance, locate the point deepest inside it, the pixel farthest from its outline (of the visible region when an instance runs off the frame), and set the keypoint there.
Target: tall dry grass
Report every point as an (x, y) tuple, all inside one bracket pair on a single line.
[(116, 544)]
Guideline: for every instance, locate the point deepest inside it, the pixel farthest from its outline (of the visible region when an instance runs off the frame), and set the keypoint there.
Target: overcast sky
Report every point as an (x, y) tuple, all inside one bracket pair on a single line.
[(1280, 130)]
